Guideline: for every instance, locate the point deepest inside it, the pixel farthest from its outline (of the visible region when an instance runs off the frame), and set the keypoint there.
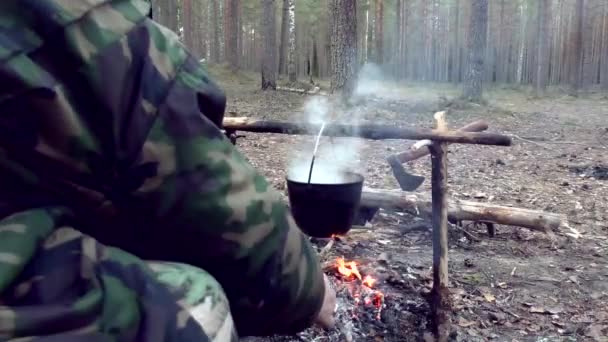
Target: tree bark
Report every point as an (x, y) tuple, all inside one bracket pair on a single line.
[(231, 19), (291, 57), (460, 210), (542, 47), (215, 22), (269, 61), (343, 46), (170, 15), (379, 32), (369, 131), (187, 23), (456, 72), (473, 87), (604, 61), (284, 38), (576, 69)]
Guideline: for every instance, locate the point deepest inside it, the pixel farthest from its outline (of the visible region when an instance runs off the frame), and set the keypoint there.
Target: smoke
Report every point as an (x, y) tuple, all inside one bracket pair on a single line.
[(336, 156), (371, 81)]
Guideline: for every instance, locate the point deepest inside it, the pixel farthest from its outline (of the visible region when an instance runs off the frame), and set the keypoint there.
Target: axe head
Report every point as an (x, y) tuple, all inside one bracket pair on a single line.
[(407, 181)]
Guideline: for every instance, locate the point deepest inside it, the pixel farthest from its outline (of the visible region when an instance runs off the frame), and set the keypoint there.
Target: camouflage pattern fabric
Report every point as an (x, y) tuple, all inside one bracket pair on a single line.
[(109, 130)]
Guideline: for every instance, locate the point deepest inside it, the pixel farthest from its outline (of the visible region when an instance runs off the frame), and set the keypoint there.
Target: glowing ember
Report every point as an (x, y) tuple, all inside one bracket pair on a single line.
[(361, 295), (369, 281)]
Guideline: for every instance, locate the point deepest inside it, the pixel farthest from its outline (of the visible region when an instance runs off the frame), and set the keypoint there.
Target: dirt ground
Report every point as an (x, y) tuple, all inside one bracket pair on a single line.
[(520, 285)]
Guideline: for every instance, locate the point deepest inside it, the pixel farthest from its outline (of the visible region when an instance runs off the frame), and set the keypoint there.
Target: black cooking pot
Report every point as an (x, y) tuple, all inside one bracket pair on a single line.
[(322, 210)]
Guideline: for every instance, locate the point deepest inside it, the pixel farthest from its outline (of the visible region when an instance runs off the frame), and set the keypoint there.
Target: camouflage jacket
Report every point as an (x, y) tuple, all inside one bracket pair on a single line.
[(109, 125)]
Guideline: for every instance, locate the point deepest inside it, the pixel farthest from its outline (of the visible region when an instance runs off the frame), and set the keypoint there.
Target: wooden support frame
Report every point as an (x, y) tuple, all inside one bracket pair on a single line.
[(374, 132), (440, 137)]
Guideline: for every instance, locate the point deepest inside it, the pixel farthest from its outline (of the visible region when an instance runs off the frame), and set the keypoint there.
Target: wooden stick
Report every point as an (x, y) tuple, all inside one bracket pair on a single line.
[(326, 248), (439, 297), (461, 210), (413, 154), (375, 132)]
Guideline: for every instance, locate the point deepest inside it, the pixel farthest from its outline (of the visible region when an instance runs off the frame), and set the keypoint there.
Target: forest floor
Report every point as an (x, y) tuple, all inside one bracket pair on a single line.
[(519, 285)]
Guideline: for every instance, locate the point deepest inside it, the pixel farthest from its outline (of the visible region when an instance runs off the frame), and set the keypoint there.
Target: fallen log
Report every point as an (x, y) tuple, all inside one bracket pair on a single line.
[(314, 91), (461, 210), (413, 154), (368, 131)]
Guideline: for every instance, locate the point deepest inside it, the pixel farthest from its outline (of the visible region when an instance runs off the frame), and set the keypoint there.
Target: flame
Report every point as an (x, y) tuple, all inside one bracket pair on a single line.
[(348, 269), (364, 295)]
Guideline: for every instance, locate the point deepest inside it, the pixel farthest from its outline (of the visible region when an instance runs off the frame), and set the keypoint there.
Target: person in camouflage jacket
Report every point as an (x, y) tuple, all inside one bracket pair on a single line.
[(125, 213)]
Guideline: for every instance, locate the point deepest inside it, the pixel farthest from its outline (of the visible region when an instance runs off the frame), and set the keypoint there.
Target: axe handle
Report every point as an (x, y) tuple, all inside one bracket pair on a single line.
[(476, 126)]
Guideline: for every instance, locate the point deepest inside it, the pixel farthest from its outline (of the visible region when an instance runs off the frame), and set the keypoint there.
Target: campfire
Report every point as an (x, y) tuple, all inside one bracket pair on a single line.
[(360, 288)]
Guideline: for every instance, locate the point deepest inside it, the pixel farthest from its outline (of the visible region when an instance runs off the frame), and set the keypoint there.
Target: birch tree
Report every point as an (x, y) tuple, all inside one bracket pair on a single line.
[(291, 24), (284, 38)]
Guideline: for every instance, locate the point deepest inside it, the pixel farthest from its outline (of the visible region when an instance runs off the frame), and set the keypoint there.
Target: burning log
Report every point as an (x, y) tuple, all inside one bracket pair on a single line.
[(368, 131), (416, 153), (461, 210), (440, 295)]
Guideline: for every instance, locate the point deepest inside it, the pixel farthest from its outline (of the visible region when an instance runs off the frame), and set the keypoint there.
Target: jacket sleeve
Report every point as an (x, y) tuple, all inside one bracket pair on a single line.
[(130, 108), (213, 210)]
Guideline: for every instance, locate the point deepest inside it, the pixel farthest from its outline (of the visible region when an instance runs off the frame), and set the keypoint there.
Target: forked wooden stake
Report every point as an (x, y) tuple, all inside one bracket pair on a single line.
[(440, 295)]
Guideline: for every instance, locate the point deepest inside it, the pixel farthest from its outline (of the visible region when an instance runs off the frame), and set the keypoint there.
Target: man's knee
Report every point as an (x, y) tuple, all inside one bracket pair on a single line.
[(202, 294)]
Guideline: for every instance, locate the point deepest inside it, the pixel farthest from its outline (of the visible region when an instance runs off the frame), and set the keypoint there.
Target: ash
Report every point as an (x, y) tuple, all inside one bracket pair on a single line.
[(402, 316)]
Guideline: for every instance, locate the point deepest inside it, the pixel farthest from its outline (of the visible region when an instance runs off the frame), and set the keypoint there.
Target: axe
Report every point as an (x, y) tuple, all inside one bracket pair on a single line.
[(408, 181)]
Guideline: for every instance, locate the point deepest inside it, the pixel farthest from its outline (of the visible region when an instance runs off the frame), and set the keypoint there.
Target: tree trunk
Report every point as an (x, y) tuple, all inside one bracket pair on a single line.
[(187, 23), (215, 22), (379, 32), (576, 69), (269, 61), (343, 46), (604, 61), (284, 38), (542, 47), (231, 19), (291, 24), (157, 11), (478, 26), (239, 33), (366, 34), (169, 15)]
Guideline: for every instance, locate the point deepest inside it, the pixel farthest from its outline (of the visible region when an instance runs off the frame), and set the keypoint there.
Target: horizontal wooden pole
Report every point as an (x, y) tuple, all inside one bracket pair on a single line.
[(459, 210), (374, 132), (410, 155)]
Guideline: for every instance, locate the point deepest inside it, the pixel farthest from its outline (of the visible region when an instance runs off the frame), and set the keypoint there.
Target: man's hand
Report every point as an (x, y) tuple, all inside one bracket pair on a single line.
[(326, 317)]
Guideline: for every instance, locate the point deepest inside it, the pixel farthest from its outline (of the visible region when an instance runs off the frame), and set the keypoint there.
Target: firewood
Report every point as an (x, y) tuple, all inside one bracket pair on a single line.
[(461, 210), (368, 131)]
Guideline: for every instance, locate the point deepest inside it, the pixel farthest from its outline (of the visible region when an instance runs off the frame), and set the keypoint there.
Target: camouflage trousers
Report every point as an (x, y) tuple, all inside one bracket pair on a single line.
[(57, 284), (202, 294)]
